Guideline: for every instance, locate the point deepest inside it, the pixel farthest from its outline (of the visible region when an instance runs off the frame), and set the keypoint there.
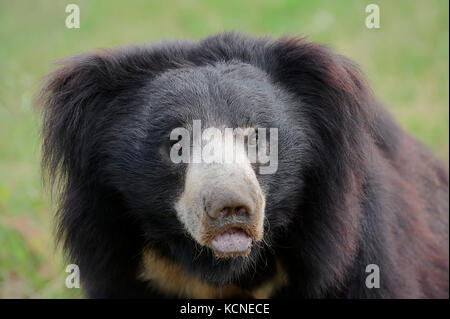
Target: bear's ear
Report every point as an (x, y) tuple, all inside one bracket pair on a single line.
[(331, 88), (77, 99), (72, 99), (319, 76)]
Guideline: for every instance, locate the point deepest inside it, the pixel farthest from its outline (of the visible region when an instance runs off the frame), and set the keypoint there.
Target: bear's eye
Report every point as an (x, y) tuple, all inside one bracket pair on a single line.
[(169, 146), (174, 146), (177, 147), (253, 139)]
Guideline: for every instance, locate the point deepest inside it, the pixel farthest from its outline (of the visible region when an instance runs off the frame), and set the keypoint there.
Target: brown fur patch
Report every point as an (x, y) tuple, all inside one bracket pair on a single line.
[(172, 279)]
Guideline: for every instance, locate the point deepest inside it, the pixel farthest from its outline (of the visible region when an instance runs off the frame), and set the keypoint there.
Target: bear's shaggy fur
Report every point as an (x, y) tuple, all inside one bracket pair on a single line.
[(351, 189)]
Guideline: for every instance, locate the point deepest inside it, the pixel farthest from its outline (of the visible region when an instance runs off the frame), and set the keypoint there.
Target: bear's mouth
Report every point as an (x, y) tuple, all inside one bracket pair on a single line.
[(231, 242)]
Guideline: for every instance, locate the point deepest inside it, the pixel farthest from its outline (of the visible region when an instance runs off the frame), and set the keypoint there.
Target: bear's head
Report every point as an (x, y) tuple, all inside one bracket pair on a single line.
[(203, 153)]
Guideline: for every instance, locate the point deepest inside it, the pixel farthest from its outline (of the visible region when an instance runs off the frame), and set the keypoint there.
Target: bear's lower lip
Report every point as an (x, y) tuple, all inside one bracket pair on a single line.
[(232, 241)]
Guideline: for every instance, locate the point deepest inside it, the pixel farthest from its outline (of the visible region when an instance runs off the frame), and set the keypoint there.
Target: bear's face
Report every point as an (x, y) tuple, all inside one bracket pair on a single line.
[(213, 217)]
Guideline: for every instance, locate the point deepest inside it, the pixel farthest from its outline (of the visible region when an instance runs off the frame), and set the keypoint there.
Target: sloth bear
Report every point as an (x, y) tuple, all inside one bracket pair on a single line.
[(350, 189)]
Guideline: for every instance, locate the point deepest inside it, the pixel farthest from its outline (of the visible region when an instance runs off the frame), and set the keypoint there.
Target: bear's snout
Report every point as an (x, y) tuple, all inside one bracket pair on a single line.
[(222, 207), (228, 201)]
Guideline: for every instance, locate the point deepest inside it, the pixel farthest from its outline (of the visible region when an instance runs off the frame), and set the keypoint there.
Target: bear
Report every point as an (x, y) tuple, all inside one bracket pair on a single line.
[(145, 213)]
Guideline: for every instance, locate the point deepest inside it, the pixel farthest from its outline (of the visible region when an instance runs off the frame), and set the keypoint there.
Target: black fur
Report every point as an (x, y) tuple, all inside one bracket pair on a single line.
[(352, 188)]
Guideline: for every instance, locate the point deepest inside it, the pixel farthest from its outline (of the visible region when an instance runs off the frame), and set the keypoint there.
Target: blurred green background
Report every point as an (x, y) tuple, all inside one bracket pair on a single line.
[(406, 61)]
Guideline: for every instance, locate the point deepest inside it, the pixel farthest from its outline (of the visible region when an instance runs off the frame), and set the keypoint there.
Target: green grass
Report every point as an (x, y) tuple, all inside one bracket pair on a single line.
[(406, 61)]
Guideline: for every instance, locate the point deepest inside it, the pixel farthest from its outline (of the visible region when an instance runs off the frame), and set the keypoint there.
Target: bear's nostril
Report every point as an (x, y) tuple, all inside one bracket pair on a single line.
[(225, 212), (241, 211), (228, 211)]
